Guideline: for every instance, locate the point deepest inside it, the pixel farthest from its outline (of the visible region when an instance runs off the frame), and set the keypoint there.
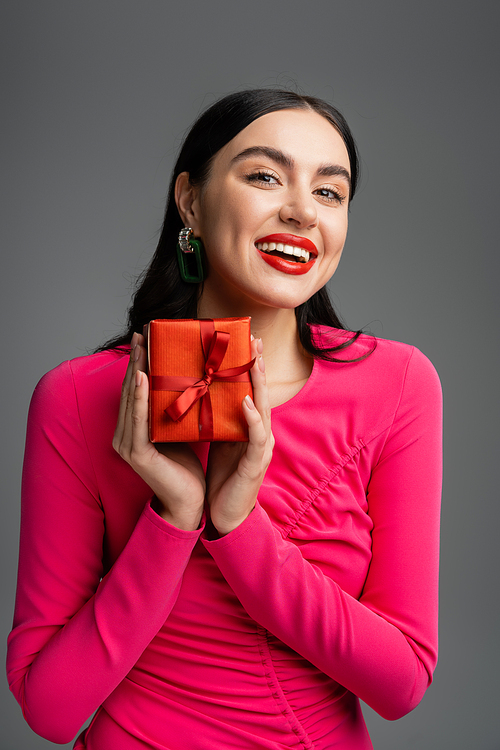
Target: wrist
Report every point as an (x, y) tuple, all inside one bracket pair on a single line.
[(224, 526), (184, 521)]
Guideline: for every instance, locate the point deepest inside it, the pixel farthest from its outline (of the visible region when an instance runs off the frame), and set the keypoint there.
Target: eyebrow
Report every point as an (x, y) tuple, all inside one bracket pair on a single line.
[(326, 170)]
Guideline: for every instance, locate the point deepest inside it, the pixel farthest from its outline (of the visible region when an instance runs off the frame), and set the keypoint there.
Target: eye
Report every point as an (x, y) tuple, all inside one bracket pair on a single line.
[(330, 195), (263, 178)]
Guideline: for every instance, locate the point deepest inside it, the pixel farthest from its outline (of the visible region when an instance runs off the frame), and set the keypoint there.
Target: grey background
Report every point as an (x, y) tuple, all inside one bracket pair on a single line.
[(95, 99)]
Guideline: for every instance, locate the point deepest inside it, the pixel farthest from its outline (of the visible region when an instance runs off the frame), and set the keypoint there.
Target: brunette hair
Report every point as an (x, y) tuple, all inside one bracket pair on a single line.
[(160, 291)]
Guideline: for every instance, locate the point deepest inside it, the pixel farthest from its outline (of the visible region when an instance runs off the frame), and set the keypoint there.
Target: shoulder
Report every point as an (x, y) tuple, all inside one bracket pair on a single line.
[(81, 369), (93, 377), (388, 376), (373, 357)]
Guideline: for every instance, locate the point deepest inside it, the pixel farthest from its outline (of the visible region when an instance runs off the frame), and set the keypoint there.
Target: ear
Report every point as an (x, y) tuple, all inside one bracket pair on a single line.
[(186, 199)]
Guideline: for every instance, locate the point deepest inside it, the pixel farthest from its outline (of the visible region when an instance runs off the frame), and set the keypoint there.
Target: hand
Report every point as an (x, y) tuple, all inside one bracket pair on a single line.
[(236, 470), (172, 470)]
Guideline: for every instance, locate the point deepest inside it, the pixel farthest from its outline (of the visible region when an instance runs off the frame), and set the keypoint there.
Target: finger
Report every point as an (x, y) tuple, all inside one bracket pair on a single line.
[(124, 395), (137, 360), (139, 355), (140, 416), (259, 449), (261, 392)]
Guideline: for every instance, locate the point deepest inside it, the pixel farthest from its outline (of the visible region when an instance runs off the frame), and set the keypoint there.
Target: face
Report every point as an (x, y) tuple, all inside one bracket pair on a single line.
[(273, 214)]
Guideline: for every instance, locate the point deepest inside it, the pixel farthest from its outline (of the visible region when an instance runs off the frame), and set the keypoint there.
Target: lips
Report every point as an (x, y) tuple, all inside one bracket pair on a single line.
[(288, 253)]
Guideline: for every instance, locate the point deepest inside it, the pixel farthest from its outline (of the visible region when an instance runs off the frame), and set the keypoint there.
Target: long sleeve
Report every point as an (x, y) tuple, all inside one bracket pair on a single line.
[(78, 629), (326, 592), (382, 645)]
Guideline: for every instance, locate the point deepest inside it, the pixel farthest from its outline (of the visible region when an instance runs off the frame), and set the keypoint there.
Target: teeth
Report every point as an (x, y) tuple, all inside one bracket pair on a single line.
[(297, 252)]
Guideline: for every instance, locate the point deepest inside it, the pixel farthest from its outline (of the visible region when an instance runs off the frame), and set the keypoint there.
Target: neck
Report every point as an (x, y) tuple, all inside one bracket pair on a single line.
[(286, 362)]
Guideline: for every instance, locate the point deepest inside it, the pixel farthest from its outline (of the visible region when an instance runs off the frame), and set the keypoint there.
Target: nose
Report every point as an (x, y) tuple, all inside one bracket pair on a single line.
[(299, 208)]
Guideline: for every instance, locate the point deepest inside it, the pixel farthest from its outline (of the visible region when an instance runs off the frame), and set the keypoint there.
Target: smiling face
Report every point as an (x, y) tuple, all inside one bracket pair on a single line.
[(273, 213)]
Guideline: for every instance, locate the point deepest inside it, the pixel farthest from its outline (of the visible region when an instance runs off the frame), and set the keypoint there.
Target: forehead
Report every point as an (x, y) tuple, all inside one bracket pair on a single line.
[(308, 137)]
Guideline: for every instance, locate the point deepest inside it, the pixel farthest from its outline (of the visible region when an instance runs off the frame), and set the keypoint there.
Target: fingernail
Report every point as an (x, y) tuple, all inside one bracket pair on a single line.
[(249, 402), (261, 364), (136, 352), (138, 377), (252, 337), (260, 346), (135, 339)]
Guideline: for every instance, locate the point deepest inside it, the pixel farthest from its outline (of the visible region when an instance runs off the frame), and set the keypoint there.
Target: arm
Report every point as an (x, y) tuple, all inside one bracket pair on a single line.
[(382, 647), (75, 637)]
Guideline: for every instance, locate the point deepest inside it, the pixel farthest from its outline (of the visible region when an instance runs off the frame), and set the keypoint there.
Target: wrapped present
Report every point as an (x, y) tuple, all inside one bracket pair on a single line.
[(198, 376)]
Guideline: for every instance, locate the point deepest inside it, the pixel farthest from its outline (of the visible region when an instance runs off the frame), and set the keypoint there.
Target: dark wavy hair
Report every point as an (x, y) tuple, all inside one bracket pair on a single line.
[(160, 291)]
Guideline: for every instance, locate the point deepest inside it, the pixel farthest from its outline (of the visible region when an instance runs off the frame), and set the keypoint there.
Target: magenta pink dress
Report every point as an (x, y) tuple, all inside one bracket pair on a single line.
[(265, 638)]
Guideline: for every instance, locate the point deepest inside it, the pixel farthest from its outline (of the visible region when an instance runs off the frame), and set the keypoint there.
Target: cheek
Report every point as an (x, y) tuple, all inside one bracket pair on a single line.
[(336, 239), (222, 216), (232, 221)]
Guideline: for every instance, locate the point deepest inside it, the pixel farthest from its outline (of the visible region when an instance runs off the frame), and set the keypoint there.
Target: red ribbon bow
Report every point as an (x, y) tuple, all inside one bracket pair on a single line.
[(214, 344)]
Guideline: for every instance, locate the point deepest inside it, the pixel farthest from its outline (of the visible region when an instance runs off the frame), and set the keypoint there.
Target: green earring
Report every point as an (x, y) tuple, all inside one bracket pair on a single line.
[(189, 248)]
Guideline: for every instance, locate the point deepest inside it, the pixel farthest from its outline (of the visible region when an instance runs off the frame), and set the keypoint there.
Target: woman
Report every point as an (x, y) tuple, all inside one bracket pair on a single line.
[(215, 597)]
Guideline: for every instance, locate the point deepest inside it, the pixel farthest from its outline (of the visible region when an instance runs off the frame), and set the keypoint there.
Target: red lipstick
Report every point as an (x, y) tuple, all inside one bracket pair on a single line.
[(281, 262), (287, 266)]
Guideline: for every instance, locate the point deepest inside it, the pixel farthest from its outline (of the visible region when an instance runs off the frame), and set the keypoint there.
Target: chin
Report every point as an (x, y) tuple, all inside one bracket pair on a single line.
[(282, 301), (286, 293)]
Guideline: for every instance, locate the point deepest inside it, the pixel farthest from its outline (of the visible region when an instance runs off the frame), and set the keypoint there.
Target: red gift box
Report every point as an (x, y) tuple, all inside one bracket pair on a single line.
[(198, 376)]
